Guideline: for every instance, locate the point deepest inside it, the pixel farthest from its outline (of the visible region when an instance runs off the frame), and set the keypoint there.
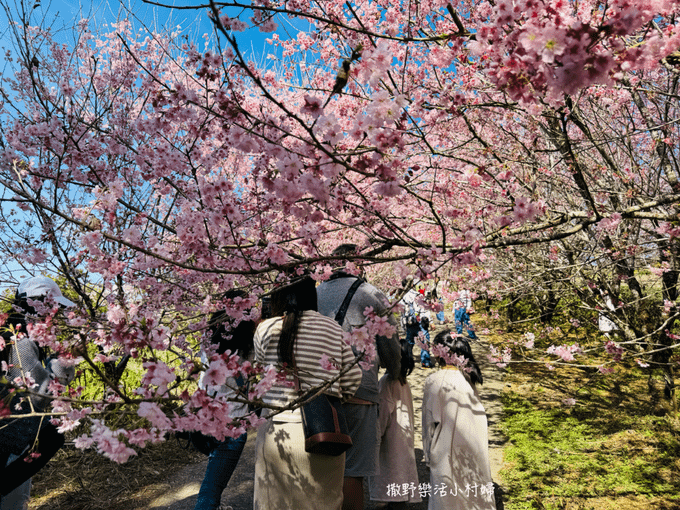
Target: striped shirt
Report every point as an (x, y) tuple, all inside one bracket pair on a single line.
[(317, 335)]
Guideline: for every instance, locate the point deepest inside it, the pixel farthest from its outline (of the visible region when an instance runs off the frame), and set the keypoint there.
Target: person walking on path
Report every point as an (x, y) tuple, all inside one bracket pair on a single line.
[(27, 444), (410, 318), (397, 460), (454, 431), (286, 476), (425, 358), (236, 336), (462, 319), (361, 410)]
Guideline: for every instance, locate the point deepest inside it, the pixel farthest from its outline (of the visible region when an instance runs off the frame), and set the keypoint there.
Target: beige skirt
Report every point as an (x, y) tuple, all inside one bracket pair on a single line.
[(287, 477)]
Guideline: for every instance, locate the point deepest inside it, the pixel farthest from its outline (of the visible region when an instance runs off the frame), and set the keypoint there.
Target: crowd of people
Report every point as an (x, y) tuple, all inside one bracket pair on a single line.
[(302, 325)]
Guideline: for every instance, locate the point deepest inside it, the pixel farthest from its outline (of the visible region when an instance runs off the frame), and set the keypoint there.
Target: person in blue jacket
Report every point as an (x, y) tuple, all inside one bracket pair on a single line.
[(462, 318)]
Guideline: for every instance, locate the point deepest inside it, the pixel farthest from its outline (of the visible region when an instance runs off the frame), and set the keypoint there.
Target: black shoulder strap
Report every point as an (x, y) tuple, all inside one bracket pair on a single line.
[(340, 316)]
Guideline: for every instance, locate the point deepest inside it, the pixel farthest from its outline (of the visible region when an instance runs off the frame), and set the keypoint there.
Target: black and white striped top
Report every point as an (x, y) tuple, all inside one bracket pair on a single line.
[(317, 335)]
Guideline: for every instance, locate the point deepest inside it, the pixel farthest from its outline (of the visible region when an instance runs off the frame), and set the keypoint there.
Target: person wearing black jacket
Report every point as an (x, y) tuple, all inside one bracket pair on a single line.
[(33, 436)]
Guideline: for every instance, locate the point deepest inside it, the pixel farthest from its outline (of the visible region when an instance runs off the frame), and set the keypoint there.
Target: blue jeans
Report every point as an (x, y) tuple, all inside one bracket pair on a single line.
[(424, 353), (221, 464), (425, 358), (463, 319)]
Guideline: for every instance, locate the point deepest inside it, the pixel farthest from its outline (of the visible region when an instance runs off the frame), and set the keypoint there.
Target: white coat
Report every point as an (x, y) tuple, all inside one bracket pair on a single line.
[(456, 443), (398, 477)]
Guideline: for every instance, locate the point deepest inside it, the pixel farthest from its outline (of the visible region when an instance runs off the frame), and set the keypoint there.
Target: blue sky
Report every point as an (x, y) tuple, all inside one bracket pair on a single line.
[(65, 12), (61, 15)]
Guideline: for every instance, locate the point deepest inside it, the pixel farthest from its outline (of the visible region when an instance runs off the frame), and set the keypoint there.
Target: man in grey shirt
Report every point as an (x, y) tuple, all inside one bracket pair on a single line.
[(362, 410)]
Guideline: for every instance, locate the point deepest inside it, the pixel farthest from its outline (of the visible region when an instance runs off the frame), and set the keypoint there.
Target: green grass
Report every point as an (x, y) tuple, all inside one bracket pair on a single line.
[(614, 446)]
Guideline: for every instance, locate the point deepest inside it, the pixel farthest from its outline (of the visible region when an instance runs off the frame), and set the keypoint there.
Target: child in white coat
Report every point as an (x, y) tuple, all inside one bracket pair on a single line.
[(397, 483)]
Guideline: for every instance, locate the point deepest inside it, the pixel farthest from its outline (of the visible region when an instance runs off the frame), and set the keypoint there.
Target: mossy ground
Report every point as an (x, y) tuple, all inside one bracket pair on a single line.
[(578, 439)]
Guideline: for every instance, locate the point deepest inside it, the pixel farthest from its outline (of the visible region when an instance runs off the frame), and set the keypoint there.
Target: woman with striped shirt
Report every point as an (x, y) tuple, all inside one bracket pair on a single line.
[(285, 475)]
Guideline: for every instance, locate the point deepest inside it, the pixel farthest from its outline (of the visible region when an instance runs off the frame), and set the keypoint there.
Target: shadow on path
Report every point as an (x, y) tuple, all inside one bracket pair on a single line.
[(179, 492)]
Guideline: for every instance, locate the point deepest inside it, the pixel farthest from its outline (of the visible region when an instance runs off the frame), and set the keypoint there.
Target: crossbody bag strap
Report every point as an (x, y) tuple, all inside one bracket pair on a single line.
[(340, 316)]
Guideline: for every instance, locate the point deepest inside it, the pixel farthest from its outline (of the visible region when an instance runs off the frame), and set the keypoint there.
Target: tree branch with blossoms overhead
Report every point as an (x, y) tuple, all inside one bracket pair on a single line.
[(524, 152)]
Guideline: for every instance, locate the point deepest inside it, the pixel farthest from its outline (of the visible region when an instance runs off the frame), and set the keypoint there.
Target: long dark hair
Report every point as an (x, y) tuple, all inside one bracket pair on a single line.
[(407, 363), (290, 301), (459, 346), (239, 338)]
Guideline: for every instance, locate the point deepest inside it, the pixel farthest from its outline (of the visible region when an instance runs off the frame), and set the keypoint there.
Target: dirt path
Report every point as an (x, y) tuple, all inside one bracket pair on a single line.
[(179, 492)]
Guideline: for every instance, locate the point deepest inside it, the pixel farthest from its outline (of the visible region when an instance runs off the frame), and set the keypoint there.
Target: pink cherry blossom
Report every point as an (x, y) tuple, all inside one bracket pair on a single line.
[(154, 414), (158, 374), (566, 352), (488, 145)]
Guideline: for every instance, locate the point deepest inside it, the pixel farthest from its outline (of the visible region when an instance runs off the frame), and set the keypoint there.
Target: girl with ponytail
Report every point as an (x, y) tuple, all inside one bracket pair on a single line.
[(305, 342)]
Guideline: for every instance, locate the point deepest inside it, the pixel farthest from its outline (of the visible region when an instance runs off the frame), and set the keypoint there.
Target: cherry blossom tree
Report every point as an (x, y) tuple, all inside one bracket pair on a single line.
[(478, 141)]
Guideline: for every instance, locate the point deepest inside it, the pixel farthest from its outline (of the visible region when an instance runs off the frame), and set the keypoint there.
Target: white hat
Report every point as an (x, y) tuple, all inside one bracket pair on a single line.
[(42, 286)]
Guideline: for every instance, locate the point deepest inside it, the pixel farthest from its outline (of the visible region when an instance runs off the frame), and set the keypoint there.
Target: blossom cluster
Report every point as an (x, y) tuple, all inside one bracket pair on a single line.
[(160, 174), (566, 352)]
